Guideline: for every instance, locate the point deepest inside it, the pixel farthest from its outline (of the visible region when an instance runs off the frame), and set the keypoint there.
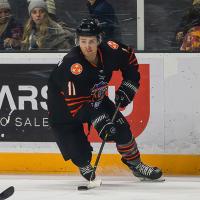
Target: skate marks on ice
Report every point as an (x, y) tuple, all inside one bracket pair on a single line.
[(118, 188)]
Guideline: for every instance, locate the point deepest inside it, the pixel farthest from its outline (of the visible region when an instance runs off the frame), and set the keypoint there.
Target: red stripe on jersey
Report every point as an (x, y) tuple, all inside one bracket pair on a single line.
[(78, 98), (134, 61), (75, 104), (131, 56), (74, 112), (78, 102)]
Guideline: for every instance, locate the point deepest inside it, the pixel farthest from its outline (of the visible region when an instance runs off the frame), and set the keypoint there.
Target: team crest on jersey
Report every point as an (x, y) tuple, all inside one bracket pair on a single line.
[(113, 45), (76, 69), (99, 90)]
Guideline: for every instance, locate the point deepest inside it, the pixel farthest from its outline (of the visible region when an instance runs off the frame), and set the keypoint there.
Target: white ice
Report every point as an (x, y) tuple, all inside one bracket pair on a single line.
[(63, 187)]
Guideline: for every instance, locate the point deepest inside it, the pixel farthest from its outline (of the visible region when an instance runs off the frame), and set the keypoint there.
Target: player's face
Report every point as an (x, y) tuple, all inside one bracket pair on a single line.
[(38, 15), (88, 45), (4, 15)]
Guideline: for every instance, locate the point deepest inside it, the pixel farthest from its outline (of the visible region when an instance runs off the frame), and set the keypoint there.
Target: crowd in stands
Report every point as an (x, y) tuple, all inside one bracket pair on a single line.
[(10, 30), (105, 14), (43, 30), (188, 34), (40, 32)]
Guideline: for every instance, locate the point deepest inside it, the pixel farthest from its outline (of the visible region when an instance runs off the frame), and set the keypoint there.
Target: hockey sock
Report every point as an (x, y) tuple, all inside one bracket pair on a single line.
[(130, 152)]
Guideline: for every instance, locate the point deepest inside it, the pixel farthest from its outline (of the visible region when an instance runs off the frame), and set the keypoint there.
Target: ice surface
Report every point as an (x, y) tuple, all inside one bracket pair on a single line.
[(63, 187)]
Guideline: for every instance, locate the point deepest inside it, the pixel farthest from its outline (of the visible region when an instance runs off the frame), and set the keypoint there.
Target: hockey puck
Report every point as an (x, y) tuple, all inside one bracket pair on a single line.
[(83, 187)]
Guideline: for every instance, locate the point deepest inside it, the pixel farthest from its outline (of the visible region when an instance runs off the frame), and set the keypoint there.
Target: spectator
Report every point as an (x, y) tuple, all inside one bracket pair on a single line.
[(104, 12), (10, 30), (41, 32), (188, 34), (51, 9)]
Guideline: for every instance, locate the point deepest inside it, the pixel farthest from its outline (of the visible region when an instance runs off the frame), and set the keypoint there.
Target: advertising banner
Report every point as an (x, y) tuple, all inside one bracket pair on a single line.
[(23, 108), (164, 116)]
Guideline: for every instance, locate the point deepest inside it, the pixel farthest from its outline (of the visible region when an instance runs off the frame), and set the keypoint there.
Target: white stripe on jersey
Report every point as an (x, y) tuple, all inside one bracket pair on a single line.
[(71, 89), (74, 91)]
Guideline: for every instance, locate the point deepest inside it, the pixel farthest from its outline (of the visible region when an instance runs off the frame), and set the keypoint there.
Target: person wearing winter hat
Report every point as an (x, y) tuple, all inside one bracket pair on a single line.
[(4, 4), (43, 33), (37, 4), (4, 11), (50, 7), (10, 29)]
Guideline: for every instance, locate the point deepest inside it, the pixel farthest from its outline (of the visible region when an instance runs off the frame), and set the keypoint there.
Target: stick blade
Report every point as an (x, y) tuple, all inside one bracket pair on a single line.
[(92, 184), (7, 193)]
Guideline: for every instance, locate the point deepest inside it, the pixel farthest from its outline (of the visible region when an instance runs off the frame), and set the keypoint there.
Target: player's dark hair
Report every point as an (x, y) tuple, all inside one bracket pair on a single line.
[(99, 39)]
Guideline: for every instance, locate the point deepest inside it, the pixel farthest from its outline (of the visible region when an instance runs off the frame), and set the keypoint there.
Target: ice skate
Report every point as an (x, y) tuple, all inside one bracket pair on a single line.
[(89, 175), (145, 172), (86, 172)]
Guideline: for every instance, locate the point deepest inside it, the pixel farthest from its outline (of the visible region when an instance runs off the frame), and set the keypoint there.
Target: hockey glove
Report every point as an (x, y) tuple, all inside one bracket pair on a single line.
[(104, 125), (125, 93)]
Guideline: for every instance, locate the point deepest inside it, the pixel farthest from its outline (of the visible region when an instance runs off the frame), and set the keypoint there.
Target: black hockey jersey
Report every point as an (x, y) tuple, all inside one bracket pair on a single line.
[(74, 81)]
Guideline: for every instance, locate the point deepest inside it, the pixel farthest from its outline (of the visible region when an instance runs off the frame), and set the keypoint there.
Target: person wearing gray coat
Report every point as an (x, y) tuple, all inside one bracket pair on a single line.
[(42, 33)]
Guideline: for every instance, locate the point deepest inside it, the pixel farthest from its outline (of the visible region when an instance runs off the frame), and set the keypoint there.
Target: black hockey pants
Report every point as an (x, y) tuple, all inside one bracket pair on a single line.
[(73, 142)]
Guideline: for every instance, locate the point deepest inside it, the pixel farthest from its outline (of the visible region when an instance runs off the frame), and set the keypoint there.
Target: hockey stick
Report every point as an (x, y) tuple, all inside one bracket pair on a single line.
[(91, 184), (7, 193)]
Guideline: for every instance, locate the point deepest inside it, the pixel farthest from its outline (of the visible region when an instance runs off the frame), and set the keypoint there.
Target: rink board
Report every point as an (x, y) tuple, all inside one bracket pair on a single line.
[(110, 164), (164, 117)]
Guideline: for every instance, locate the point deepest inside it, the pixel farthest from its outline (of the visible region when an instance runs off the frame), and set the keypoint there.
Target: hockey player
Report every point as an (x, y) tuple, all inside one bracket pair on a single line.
[(77, 94)]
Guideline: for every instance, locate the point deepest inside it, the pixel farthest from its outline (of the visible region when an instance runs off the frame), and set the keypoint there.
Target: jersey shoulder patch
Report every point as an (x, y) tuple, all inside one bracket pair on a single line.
[(113, 44), (76, 68)]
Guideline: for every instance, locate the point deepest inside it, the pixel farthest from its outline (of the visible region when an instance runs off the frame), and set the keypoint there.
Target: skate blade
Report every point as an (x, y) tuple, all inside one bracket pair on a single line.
[(144, 179)]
